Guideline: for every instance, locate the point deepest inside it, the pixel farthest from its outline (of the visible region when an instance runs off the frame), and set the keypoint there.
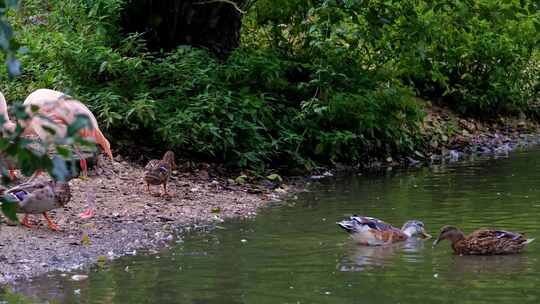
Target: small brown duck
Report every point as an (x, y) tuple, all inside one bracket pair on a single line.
[(158, 171), (483, 241), (39, 198)]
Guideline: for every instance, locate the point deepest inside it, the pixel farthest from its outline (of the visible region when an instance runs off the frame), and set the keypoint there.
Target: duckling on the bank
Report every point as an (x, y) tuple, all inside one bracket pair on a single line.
[(483, 241), (374, 232), (39, 198), (158, 171)]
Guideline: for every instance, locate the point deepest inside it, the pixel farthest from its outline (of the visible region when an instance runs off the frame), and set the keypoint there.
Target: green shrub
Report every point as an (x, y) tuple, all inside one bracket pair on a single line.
[(470, 54), (316, 82)]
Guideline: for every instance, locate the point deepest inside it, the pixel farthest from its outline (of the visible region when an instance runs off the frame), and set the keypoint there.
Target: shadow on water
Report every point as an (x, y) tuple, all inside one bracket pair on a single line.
[(488, 265), (365, 258), (297, 254)]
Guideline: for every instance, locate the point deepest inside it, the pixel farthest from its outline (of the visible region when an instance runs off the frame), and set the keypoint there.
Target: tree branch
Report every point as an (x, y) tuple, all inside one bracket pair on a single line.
[(223, 1)]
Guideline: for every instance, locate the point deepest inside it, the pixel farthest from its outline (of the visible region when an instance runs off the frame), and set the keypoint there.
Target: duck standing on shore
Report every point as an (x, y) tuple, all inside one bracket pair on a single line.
[(158, 171), (483, 241), (39, 198), (374, 232)]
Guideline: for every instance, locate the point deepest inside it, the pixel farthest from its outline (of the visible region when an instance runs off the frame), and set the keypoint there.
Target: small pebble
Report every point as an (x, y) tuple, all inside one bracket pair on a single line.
[(79, 277)]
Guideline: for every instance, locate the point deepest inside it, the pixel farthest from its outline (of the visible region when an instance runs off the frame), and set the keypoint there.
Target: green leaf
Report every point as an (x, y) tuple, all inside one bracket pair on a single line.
[(319, 148), (9, 208), (63, 151), (81, 122), (274, 178), (49, 130)]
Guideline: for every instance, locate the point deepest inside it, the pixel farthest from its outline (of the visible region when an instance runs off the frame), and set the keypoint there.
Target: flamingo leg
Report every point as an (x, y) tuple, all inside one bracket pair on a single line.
[(84, 166), (82, 163), (50, 223), (26, 222), (34, 176)]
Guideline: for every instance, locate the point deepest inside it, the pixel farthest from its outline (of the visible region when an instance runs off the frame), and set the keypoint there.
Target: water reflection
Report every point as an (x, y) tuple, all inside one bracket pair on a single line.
[(60, 288), (296, 254), (488, 265), (362, 258)]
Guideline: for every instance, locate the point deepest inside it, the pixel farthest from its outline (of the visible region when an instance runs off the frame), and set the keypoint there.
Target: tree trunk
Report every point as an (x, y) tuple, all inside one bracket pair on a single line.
[(166, 24)]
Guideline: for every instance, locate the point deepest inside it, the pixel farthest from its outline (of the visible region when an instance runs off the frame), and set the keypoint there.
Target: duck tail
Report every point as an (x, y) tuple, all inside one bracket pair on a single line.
[(528, 241)]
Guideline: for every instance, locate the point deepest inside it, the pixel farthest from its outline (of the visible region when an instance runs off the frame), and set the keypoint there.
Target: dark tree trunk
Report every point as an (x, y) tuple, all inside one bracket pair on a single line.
[(166, 24)]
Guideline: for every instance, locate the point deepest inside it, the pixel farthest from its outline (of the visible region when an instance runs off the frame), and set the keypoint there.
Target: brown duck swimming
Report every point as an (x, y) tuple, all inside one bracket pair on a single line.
[(483, 241), (374, 232), (158, 171), (39, 198)]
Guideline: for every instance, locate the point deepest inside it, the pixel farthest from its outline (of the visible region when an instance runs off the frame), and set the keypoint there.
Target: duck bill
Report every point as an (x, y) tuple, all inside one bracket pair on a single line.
[(346, 225), (436, 242), (425, 235)]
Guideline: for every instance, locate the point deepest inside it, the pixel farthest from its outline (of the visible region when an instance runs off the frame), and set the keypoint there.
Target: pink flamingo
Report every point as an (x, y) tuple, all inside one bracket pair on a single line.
[(61, 110)]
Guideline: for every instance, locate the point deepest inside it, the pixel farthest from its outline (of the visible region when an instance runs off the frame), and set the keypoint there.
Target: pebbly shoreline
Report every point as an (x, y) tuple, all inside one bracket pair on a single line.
[(127, 219)]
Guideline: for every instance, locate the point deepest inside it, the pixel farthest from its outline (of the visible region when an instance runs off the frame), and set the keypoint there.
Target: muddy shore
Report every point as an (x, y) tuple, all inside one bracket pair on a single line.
[(128, 219)]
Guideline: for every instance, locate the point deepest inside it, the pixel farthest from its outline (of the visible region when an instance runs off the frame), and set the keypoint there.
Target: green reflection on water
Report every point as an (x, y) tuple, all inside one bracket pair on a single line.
[(297, 254)]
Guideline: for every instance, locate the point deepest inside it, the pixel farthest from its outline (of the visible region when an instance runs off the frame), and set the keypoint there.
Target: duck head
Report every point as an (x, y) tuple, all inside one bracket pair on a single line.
[(350, 226), (450, 233), (169, 158), (415, 228)]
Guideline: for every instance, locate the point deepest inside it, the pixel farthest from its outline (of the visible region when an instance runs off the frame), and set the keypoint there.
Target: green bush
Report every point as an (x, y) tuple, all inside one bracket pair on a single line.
[(315, 82), (472, 54)]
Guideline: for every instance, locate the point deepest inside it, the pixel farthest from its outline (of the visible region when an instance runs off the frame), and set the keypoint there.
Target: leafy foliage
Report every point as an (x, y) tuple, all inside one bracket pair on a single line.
[(7, 43), (315, 82)]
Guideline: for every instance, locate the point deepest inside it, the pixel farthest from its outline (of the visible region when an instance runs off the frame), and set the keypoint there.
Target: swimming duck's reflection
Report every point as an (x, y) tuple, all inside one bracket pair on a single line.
[(361, 258), (502, 264)]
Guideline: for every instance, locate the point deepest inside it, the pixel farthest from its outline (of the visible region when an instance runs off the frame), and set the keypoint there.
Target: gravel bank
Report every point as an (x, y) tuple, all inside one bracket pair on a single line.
[(127, 219)]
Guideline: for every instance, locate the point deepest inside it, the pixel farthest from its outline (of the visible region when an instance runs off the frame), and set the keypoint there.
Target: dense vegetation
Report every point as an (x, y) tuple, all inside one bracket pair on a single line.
[(20, 151), (313, 82)]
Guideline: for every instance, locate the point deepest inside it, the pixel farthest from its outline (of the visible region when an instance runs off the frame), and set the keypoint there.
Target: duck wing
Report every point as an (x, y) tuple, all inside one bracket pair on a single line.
[(38, 201), (371, 231), (157, 171), (487, 234), (493, 241), (152, 165), (28, 187), (371, 222)]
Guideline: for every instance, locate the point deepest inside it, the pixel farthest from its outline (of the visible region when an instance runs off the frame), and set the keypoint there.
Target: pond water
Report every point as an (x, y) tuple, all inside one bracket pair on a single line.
[(297, 254)]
